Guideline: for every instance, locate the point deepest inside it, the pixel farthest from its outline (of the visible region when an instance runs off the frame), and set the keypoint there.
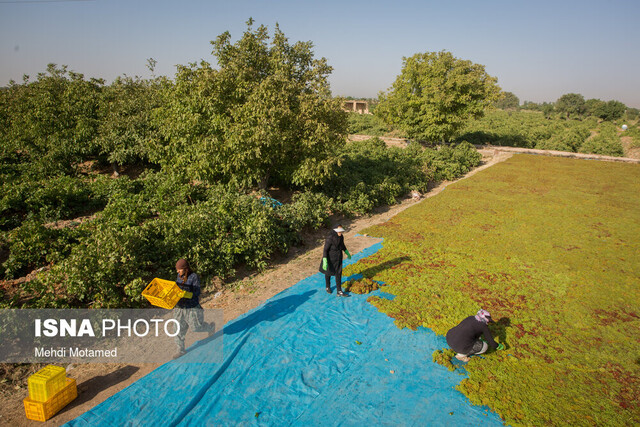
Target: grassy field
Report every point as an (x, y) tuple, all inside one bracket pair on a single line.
[(550, 247)]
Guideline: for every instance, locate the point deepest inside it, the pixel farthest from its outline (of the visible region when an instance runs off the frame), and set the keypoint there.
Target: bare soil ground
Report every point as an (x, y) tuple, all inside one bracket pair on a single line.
[(97, 382)]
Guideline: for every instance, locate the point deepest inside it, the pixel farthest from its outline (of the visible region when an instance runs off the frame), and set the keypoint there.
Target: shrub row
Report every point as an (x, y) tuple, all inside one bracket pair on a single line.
[(533, 130)]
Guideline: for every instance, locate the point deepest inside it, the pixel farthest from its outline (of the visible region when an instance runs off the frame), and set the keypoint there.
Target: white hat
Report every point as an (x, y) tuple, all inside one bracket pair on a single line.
[(339, 229)]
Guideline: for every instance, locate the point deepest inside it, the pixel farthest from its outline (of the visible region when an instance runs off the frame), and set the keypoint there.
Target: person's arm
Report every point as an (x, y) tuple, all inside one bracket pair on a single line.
[(488, 337), (195, 285), (344, 248), (325, 253), (327, 246), (184, 285)]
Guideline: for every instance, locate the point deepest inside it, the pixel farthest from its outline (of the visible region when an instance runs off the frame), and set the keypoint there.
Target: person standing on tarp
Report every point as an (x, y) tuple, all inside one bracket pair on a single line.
[(188, 311), (465, 337), (332, 259)]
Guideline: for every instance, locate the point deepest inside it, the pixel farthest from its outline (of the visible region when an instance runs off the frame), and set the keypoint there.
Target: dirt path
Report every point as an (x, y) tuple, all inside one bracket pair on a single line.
[(97, 382)]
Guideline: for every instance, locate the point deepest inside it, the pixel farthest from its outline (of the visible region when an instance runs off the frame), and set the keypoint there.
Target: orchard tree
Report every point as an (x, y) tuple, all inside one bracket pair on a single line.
[(508, 101), (126, 126), (266, 114), (50, 124), (435, 94), (571, 105), (592, 106), (632, 113), (611, 110)]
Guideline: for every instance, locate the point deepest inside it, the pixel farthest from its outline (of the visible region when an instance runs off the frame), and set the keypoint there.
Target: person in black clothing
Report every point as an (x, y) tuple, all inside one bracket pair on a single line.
[(188, 311), (465, 337), (332, 259)]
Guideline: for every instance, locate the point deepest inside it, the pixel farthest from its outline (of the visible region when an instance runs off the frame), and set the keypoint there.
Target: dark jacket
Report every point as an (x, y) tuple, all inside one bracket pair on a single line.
[(333, 247), (191, 285), (462, 337)]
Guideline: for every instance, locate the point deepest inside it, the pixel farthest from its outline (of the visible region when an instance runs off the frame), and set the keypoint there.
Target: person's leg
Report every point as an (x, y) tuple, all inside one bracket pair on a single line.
[(197, 323), (180, 315), (339, 285), (462, 357), (479, 347), (327, 282)]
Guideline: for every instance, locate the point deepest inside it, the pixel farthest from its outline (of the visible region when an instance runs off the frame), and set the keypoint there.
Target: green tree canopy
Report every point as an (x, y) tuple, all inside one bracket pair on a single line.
[(571, 105), (48, 125), (126, 126), (265, 115), (592, 105), (435, 94), (508, 100), (611, 110)]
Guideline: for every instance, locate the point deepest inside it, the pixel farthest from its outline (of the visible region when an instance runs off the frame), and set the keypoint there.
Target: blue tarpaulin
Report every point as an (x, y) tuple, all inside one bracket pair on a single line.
[(304, 357)]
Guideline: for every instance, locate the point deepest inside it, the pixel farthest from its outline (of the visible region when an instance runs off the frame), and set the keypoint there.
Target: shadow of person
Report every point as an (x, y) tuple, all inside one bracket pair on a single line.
[(88, 389), (269, 312), (499, 329), (372, 271)]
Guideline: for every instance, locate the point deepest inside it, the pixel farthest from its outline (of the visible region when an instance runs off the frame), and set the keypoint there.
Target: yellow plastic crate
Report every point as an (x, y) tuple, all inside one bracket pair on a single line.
[(46, 382), (163, 293), (42, 411)]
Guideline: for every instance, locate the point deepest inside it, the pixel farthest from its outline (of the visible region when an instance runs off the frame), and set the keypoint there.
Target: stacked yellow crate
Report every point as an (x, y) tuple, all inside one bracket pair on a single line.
[(49, 391)]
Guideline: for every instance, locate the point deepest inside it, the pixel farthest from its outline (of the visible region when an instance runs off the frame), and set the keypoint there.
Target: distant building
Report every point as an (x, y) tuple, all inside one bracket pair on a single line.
[(361, 107)]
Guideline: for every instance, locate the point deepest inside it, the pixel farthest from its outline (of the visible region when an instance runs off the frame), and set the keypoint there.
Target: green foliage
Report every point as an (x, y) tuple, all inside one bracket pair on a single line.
[(632, 114), (366, 124), (562, 287), (435, 94), (126, 127), (50, 124), (634, 133), (53, 199), (571, 105), (605, 143), (306, 210), (372, 174), (515, 129), (569, 139), (546, 108), (593, 105), (451, 162), (132, 241), (610, 111), (226, 230), (32, 245), (531, 130), (264, 116), (508, 101)]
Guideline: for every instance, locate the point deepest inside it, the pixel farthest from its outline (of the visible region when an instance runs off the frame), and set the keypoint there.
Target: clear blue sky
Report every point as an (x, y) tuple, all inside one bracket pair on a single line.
[(538, 49)]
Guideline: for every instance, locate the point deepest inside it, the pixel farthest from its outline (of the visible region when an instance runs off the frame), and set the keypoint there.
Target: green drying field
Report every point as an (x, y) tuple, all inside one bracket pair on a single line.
[(550, 247)]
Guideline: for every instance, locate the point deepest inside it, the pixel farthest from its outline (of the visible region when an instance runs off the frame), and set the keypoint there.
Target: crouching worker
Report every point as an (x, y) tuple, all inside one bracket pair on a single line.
[(465, 338), (188, 311)]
